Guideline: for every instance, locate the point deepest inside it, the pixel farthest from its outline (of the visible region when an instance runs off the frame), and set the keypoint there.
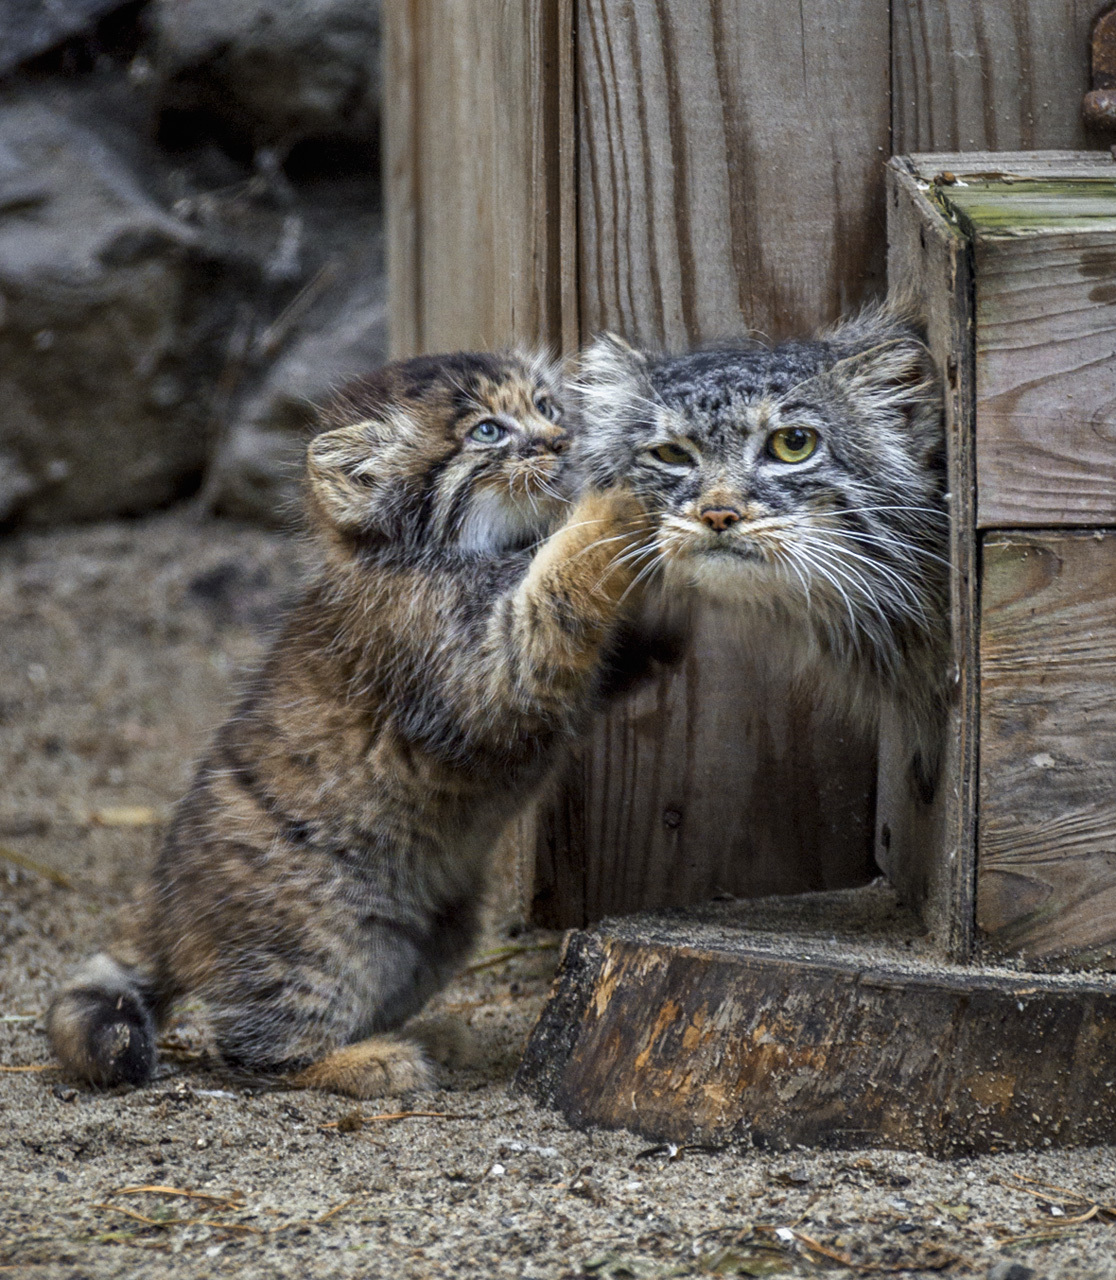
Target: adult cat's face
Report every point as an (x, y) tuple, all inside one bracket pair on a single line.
[(810, 472), (459, 451)]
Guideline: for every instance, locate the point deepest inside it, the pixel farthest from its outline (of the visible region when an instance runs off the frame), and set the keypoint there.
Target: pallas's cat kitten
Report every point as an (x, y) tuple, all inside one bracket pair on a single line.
[(801, 486), (322, 877)]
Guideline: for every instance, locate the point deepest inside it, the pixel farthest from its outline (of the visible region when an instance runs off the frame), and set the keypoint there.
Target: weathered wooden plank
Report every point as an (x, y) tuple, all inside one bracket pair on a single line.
[(697, 786), (1025, 165), (1046, 887), (479, 171), (481, 208), (698, 217), (926, 848), (995, 75), (1046, 378), (783, 1022), (697, 220)]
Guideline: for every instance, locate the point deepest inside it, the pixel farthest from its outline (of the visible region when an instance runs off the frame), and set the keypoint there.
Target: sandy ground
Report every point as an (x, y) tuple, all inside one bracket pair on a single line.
[(120, 646)]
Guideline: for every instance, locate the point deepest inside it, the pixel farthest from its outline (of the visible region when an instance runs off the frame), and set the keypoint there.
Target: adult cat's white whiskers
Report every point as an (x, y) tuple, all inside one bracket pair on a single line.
[(911, 552), (645, 573), (901, 585), (599, 542), (837, 562), (805, 554)]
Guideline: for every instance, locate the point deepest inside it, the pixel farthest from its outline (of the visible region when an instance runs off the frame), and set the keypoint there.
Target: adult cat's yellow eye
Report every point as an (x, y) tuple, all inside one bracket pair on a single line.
[(792, 444), (673, 454)]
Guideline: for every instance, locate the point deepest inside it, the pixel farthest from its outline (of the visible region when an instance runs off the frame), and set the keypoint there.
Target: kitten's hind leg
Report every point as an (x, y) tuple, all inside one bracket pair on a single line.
[(447, 1040), (372, 1068)]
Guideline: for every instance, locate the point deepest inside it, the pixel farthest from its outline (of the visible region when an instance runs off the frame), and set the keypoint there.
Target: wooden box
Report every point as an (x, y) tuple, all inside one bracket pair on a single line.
[(1014, 256)]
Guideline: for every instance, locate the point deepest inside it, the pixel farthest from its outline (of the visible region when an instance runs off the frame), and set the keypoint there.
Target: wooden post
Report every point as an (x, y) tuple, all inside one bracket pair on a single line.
[(1019, 277), (559, 168)]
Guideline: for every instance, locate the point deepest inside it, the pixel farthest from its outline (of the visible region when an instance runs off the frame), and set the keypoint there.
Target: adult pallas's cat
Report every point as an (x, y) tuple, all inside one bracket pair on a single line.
[(322, 877), (801, 488)]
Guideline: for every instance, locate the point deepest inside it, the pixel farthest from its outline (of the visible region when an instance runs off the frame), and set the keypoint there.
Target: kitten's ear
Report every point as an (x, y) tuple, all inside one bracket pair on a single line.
[(341, 471)]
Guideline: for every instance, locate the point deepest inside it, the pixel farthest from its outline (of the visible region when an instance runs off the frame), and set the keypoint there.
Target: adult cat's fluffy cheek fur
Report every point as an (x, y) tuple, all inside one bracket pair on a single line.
[(616, 402)]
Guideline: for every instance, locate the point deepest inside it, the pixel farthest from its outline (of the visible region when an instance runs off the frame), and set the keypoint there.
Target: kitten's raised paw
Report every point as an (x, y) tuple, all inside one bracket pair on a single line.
[(618, 507), (372, 1068)]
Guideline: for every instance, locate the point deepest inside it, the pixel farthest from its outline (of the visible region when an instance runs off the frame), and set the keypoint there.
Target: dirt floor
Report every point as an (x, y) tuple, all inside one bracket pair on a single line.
[(120, 646)]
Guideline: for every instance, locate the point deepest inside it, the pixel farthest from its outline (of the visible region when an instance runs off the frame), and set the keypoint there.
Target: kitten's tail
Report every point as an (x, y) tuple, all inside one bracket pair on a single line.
[(101, 1024)]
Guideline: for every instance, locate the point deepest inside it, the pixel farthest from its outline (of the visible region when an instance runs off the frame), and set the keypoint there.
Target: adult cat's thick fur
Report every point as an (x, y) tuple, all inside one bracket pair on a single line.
[(801, 486), (322, 878)]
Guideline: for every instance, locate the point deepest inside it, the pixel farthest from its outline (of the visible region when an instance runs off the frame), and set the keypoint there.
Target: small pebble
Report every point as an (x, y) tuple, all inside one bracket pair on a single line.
[(1005, 1269)]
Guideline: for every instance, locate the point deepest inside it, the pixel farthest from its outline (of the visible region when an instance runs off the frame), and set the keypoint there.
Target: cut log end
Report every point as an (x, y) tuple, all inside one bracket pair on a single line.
[(822, 1020)]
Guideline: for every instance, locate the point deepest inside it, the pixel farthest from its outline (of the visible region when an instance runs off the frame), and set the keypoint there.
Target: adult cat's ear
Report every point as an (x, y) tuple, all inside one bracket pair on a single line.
[(612, 382), (343, 471), (609, 359), (884, 363)]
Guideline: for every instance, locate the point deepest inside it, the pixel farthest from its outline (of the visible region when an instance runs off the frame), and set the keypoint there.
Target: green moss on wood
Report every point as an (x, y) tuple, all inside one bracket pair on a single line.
[(990, 207)]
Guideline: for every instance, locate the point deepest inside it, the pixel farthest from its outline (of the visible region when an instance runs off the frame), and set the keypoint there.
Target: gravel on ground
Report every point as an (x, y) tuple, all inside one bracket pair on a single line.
[(121, 649)]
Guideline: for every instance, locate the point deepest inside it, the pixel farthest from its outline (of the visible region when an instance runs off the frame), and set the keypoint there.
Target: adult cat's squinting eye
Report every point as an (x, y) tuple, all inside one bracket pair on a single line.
[(792, 444), (488, 432), (673, 454)]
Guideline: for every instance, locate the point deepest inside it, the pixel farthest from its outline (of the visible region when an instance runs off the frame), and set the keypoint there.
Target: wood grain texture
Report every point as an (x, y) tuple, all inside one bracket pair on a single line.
[(1046, 378), (994, 75), (730, 164), (697, 220), (703, 784), (481, 211), (716, 1025), (928, 849), (1046, 888), (479, 174)]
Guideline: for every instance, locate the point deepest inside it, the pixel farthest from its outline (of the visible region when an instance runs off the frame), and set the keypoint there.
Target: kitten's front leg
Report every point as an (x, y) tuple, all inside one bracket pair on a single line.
[(582, 582)]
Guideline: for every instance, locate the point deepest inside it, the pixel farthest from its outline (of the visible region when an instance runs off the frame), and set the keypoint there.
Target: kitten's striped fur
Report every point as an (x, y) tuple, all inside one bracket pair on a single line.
[(322, 878)]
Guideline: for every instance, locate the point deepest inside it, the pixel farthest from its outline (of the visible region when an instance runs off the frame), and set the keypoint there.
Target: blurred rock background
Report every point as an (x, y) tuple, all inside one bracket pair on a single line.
[(191, 250)]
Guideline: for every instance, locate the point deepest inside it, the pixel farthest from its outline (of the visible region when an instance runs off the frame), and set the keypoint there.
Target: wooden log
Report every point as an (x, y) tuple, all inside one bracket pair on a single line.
[(823, 1021), (1046, 885)]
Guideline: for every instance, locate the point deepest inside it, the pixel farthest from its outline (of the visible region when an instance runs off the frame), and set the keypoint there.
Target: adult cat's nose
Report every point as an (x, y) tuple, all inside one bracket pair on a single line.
[(720, 518)]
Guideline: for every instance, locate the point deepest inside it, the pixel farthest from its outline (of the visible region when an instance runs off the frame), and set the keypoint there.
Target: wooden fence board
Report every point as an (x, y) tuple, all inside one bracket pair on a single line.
[(927, 848), (729, 178), (995, 75), (1046, 886), (479, 169), (730, 164), (1046, 379)]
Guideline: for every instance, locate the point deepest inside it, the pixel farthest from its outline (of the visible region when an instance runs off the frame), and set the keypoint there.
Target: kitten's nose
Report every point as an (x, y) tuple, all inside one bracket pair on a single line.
[(720, 518), (545, 444)]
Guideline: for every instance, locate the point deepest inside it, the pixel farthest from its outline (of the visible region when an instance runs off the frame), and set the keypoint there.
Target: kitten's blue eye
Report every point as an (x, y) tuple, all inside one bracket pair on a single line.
[(488, 432), (674, 455)]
